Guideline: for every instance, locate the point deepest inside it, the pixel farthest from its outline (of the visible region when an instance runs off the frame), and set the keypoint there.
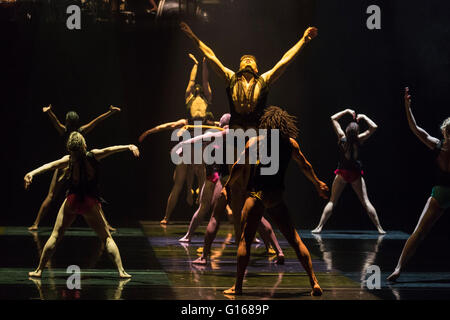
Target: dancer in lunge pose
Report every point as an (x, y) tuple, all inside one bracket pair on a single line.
[(83, 196), (439, 200), (198, 100), (349, 168), (71, 125), (265, 193)]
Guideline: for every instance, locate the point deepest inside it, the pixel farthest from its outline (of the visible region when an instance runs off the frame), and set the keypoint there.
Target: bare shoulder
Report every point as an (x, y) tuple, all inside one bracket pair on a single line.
[(294, 143)]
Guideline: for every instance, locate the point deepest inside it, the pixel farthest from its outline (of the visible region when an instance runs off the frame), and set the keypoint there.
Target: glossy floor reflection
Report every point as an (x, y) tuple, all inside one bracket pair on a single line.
[(162, 267)]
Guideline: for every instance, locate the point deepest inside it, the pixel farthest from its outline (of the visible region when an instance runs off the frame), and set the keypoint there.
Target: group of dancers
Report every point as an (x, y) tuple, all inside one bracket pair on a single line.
[(240, 191)]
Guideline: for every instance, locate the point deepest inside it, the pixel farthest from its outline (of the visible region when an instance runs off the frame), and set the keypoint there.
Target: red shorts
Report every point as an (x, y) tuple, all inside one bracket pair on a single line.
[(349, 175), (81, 205), (213, 177)]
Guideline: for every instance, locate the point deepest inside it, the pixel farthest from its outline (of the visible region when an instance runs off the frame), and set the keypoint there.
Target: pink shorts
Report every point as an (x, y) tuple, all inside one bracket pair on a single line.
[(349, 175), (213, 177), (81, 205)]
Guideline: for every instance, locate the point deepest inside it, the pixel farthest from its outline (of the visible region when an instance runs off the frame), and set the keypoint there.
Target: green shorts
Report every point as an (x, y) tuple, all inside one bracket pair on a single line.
[(442, 196)]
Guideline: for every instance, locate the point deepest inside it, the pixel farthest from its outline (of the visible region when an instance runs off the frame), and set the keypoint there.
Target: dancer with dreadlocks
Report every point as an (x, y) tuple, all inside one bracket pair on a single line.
[(83, 196), (265, 193), (439, 200), (198, 100), (71, 125), (350, 169), (212, 196), (247, 90)]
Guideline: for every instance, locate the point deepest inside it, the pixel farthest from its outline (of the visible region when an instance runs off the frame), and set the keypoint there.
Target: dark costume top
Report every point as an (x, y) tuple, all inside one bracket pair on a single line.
[(353, 163), (252, 117), (442, 178), (259, 182), (85, 186)]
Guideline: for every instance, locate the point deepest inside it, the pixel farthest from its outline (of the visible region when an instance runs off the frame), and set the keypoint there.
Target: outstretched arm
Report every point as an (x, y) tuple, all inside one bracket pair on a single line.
[(372, 127), (308, 170), (221, 70), (61, 163), (205, 80), (191, 84), (58, 125), (162, 127), (272, 75), (335, 121), (429, 141), (207, 136), (106, 152), (88, 127)]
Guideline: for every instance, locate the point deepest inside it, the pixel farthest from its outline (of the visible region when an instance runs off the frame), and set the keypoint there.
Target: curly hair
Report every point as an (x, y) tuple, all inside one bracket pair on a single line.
[(445, 126), (277, 118), (76, 142)]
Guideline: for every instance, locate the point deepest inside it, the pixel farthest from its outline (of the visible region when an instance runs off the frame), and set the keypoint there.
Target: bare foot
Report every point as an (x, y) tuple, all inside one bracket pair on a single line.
[(34, 227), (200, 260), (381, 231), (164, 221), (111, 229), (36, 273), (394, 276), (124, 275), (280, 259), (185, 239), (316, 230), (316, 290), (233, 291)]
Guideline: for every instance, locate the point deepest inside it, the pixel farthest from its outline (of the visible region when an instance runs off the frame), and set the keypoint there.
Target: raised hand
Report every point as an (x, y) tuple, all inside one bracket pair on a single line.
[(186, 29), (27, 180), (322, 189), (114, 109), (360, 116), (310, 34), (407, 98), (351, 112), (45, 109), (135, 150), (193, 58)]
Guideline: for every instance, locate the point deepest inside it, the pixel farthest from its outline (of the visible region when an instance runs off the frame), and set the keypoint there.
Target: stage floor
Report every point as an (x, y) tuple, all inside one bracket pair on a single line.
[(161, 267)]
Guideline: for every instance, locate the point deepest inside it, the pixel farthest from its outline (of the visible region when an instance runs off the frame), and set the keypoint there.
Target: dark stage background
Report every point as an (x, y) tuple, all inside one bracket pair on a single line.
[(144, 69)]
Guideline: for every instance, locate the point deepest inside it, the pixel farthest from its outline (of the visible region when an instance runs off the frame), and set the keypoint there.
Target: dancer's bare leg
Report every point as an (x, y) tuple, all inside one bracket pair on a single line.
[(280, 215), (111, 229), (219, 210), (179, 177), (189, 184), (361, 190), (96, 221), (64, 219), (430, 214), (206, 196), (336, 190), (265, 230), (251, 217), (55, 188)]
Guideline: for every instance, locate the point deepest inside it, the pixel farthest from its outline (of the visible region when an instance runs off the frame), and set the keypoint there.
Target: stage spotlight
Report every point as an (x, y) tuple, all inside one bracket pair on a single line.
[(174, 9)]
